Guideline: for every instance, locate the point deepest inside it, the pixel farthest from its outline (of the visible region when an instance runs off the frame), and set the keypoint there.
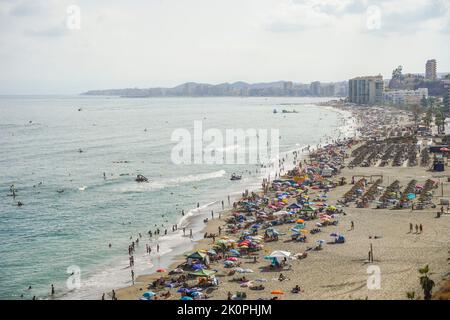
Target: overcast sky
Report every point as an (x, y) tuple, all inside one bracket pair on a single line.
[(166, 42)]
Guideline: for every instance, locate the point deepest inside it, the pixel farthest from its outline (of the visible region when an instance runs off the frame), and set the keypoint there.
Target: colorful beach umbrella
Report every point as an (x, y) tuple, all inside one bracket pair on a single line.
[(277, 292)]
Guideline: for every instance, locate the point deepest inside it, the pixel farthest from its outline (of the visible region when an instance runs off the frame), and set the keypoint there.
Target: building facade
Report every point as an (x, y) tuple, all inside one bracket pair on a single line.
[(402, 97), (366, 90), (430, 70), (314, 88)]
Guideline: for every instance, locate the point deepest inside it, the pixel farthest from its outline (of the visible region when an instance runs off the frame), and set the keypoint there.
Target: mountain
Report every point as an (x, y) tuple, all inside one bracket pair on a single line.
[(235, 89)]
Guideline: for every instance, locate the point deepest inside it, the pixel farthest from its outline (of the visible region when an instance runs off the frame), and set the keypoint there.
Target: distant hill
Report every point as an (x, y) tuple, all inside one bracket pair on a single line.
[(236, 89)]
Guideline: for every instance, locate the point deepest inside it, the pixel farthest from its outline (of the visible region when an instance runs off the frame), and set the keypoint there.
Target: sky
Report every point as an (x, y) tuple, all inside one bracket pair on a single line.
[(68, 47)]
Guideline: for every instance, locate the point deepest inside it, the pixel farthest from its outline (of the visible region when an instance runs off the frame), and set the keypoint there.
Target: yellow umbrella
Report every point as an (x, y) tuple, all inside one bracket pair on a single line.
[(300, 221)]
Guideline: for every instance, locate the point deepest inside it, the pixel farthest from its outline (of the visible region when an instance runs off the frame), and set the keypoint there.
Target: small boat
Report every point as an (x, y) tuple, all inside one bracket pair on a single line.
[(235, 176), (286, 111), (141, 178)]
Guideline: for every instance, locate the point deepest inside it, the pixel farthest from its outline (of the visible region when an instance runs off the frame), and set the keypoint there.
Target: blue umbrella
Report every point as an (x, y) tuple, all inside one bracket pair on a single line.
[(149, 294), (186, 298), (234, 251)]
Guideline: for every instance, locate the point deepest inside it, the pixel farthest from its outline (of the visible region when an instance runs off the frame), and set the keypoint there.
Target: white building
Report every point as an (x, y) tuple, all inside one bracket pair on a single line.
[(405, 96)]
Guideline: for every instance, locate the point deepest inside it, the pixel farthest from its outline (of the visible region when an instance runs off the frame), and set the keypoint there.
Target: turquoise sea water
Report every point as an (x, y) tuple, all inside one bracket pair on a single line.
[(53, 231)]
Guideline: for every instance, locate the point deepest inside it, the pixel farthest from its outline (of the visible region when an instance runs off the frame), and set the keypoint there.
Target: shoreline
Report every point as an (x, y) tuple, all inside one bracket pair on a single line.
[(141, 281)]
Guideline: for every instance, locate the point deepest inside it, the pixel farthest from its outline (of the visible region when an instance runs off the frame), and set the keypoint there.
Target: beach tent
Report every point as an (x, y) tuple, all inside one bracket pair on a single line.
[(197, 255), (294, 206), (202, 273)]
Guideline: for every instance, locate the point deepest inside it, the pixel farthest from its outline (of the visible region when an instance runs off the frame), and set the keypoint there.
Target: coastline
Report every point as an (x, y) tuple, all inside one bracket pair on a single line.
[(133, 292)]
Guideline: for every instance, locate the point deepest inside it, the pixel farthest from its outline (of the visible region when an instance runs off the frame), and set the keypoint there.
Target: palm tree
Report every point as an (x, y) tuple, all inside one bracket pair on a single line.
[(426, 283)]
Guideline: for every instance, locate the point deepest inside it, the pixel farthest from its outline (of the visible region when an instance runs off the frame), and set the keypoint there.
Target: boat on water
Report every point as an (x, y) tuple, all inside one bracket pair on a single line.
[(287, 111), (235, 176), (141, 178)]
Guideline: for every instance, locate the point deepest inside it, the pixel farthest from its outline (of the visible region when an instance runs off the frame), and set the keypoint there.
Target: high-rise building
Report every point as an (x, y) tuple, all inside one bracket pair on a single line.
[(366, 90), (314, 88), (430, 70)]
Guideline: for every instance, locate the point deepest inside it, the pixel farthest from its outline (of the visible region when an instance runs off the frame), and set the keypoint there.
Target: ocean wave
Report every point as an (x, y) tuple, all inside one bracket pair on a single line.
[(171, 182)]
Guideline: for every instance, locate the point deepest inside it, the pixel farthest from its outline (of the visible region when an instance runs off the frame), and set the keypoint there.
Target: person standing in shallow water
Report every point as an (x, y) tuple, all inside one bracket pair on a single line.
[(53, 290)]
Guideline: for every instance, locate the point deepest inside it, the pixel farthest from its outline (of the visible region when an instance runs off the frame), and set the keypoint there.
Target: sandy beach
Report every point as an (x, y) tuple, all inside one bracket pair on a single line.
[(339, 270)]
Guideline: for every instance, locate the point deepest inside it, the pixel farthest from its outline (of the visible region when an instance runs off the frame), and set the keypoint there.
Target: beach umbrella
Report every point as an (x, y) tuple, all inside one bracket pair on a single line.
[(149, 294), (280, 254), (228, 263), (198, 266), (160, 270), (232, 259), (203, 273), (235, 252), (186, 298), (277, 292), (178, 270), (183, 290), (300, 221)]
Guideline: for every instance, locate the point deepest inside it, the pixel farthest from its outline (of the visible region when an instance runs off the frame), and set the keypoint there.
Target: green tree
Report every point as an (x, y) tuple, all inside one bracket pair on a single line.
[(426, 283), (424, 102)]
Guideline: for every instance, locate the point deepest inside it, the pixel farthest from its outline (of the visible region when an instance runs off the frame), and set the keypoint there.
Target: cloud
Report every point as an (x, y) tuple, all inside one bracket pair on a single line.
[(290, 16), (397, 16)]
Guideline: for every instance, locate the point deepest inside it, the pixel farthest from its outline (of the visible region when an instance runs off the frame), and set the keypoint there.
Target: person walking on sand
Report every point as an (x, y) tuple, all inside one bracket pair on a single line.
[(212, 214), (113, 295), (190, 233), (352, 225), (417, 228), (103, 296), (410, 227), (223, 206), (420, 228), (157, 248)]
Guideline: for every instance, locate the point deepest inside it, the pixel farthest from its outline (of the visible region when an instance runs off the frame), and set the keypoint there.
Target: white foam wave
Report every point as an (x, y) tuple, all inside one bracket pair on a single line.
[(172, 182)]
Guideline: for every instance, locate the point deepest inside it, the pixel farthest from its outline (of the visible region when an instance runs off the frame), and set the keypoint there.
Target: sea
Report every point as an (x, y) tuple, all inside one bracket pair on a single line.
[(73, 160)]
